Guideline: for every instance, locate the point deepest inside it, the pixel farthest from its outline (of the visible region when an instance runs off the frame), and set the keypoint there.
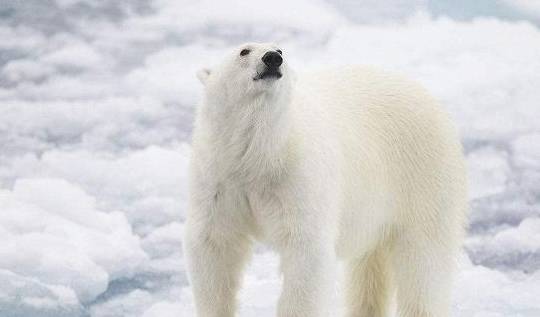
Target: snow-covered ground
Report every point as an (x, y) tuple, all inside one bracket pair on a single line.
[(96, 104)]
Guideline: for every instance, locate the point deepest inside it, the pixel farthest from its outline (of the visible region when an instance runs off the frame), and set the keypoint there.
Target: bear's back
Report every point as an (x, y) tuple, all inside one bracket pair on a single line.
[(390, 130)]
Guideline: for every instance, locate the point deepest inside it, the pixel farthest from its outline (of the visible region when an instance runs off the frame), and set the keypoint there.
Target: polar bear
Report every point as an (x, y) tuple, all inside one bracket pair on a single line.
[(350, 164)]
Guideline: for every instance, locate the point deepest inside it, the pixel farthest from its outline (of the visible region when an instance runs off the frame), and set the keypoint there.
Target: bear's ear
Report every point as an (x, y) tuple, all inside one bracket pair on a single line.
[(203, 75)]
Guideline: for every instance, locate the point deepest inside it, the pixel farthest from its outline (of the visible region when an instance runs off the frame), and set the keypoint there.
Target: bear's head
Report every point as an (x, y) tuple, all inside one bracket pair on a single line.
[(251, 69)]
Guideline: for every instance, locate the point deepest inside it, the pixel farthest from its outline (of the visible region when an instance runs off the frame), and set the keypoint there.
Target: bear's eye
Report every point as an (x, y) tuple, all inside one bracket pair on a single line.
[(280, 52), (244, 52)]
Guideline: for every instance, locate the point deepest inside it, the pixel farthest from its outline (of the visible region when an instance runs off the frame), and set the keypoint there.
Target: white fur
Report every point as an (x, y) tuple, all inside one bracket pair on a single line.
[(349, 163)]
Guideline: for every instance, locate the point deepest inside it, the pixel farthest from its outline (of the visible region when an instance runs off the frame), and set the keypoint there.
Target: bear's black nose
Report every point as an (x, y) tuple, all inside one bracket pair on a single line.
[(272, 59)]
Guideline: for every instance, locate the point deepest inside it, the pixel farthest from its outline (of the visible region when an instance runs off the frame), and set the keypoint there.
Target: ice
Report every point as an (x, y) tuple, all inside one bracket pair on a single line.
[(234, 17), (151, 181), (96, 108), (76, 56), (21, 296), (528, 8), (488, 172), (527, 150), (514, 248), (483, 292), (379, 12), (165, 309), (164, 241), (53, 233), (133, 303)]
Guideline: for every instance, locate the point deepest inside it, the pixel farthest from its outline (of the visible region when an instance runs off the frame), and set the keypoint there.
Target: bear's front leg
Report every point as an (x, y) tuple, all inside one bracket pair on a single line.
[(308, 267), (216, 258), (303, 233)]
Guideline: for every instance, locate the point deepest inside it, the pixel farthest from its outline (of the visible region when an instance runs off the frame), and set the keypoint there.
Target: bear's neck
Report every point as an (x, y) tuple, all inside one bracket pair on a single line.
[(250, 138)]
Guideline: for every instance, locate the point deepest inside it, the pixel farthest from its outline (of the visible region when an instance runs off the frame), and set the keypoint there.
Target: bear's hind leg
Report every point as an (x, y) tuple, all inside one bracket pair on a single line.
[(367, 285), (423, 273)]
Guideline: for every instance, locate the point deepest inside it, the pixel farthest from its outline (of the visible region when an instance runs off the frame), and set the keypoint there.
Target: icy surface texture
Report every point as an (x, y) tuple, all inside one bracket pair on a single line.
[(96, 104)]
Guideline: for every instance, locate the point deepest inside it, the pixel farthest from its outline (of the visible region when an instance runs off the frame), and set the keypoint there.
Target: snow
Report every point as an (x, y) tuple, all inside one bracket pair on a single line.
[(528, 8), (488, 172), (65, 240), (481, 292), (164, 309), (527, 151), (96, 109), (22, 296)]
